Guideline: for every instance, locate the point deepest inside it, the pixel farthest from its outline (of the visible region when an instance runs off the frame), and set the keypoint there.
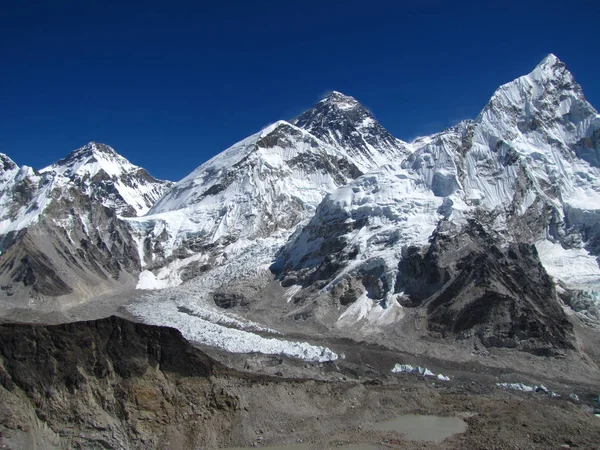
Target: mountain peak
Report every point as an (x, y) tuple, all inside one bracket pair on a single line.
[(95, 148), (341, 101), (549, 90), (90, 158), (342, 122), (105, 175), (93, 154), (550, 68), (549, 59), (6, 163)]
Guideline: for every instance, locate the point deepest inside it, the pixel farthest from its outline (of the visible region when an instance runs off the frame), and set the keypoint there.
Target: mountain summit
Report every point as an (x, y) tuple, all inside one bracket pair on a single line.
[(110, 178), (60, 231), (343, 123)]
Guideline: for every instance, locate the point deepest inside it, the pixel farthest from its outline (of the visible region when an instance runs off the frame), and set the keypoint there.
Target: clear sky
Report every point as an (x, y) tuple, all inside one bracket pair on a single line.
[(168, 84)]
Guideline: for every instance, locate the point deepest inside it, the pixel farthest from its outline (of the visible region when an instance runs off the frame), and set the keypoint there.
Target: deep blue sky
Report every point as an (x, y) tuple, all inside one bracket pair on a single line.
[(168, 84)]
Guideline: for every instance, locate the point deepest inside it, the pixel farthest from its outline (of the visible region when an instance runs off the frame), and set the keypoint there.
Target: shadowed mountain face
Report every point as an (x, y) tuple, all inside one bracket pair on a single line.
[(65, 355), (113, 383)]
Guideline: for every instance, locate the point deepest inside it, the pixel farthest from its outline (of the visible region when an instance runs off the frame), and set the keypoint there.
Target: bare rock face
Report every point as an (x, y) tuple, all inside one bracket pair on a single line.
[(227, 300), (470, 286), (110, 383), (26, 267)]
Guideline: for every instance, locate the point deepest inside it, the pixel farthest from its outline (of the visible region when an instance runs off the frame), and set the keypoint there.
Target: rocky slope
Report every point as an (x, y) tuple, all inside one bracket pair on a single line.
[(60, 229), (114, 384)]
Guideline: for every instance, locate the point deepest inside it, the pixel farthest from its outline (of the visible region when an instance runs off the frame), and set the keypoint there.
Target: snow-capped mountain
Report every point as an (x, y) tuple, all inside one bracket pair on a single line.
[(96, 171), (345, 124), (60, 226), (521, 174), (263, 186), (482, 228), (529, 160), (259, 189), (107, 177)]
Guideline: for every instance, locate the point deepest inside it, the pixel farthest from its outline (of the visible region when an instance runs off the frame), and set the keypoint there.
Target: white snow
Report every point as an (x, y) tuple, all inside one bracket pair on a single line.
[(291, 291), (204, 330), (418, 370), (255, 189), (28, 213), (89, 161), (74, 172), (575, 267), (527, 388), (149, 281), (373, 312), (189, 307), (517, 387), (395, 210)]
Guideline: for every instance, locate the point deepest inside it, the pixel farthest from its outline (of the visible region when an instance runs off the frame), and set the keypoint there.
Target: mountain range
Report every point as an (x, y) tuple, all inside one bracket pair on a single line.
[(486, 232)]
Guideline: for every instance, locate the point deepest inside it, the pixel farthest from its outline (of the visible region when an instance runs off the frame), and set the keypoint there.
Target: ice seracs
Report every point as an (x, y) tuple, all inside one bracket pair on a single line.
[(208, 331), (418, 370)]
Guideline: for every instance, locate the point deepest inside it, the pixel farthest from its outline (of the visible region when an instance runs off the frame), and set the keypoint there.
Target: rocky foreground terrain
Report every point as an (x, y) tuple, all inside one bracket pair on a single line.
[(111, 383)]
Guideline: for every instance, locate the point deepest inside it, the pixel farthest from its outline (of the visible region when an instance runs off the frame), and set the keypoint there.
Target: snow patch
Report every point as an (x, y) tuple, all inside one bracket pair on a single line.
[(418, 370), (575, 267), (372, 312), (149, 281), (527, 388)]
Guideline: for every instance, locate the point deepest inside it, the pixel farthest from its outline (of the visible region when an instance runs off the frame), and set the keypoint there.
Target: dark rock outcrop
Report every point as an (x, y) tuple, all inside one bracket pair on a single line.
[(472, 286), (125, 384)]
